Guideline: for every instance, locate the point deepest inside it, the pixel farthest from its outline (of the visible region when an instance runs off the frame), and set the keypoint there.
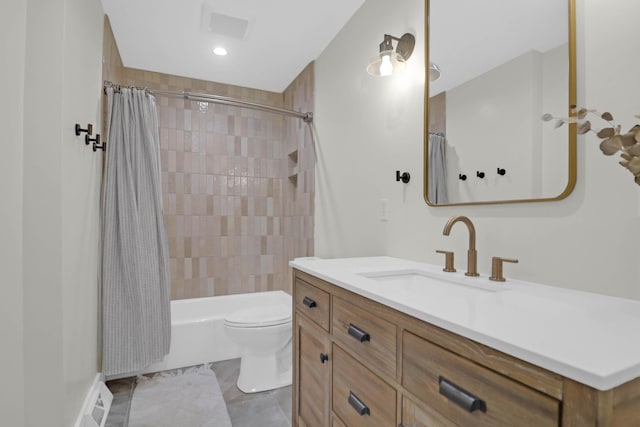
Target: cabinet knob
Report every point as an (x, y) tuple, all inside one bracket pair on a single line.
[(323, 357)]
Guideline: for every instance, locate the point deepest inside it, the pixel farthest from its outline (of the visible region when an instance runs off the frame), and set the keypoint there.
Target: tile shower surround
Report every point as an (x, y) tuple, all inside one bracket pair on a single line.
[(233, 216)]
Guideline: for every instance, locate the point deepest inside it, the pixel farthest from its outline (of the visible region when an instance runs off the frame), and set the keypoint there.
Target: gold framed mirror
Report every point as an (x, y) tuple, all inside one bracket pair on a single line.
[(493, 68)]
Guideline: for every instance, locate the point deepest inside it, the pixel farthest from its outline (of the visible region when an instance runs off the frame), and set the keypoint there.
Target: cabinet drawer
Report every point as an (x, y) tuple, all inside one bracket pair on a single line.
[(373, 339), (416, 416), (453, 385), (360, 398), (336, 422), (313, 302)]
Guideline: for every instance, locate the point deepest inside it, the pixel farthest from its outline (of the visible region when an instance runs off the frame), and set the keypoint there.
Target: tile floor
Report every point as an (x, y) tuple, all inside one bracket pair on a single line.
[(267, 409)]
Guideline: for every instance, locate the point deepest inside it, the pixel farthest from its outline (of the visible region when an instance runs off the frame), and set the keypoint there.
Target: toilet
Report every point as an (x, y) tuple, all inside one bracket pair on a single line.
[(264, 337)]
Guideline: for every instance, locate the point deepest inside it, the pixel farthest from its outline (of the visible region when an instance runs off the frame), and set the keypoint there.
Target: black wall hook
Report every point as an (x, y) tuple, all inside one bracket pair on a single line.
[(501, 171), (480, 174), (462, 177), (404, 177), (96, 143), (88, 130)]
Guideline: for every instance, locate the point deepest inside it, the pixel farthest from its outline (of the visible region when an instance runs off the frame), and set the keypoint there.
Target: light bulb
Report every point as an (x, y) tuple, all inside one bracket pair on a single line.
[(220, 51), (386, 68)]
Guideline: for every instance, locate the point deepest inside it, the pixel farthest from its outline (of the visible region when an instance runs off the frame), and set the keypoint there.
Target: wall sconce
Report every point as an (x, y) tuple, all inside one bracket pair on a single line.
[(388, 61), (434, 72)]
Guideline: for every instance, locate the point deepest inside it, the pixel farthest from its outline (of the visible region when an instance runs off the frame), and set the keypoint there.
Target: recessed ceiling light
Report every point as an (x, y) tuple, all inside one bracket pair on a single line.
[(220, 51)]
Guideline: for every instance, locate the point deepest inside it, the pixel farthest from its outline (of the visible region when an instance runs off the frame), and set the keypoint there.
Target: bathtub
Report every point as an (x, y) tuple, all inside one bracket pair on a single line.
[(197, 329)]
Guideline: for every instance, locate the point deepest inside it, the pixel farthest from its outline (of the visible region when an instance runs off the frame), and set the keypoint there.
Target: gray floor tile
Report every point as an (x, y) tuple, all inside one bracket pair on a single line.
[(257, 410), (267, 409), (283, 397)]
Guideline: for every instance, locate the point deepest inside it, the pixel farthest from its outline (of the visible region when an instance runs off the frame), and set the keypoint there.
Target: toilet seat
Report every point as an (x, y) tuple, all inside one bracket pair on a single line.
[(259, 317)]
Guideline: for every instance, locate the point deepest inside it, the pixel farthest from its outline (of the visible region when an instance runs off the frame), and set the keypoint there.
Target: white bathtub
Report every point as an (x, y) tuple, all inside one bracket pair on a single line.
[(197, 329)]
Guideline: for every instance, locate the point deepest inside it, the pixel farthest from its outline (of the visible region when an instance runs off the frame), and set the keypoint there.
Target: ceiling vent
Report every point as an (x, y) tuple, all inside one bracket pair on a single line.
[(224, 25)]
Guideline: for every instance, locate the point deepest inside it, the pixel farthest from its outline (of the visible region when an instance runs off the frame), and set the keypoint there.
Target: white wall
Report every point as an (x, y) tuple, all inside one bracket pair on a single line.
[(42, 212), (80, 183), (61, 178), (370, 127), (12, 45)]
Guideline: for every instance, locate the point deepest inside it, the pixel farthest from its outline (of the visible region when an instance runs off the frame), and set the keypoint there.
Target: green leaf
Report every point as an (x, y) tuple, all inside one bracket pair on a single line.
[(547, 117), (607, 116), (558, 124)]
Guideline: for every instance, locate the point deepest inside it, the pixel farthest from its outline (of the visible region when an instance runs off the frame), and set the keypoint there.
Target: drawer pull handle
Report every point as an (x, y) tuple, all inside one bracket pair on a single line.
[(358, 404), (323, 357), (358, 333), (309, 302), (461, 397)]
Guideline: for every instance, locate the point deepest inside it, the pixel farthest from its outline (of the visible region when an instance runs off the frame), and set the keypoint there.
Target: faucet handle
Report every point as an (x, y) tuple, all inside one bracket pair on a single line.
[(448, 261), (496, 268)]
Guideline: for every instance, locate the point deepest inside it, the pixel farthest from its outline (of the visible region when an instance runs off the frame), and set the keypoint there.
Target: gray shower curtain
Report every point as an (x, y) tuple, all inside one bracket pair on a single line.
[(136, 320), (437, 169)]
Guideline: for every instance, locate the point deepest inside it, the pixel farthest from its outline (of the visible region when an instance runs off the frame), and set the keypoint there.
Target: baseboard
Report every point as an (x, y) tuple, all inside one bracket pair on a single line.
[(96, 406)]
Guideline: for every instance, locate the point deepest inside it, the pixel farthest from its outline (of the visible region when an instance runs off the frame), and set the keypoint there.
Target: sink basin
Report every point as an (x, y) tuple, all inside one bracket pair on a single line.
[(416, 280)]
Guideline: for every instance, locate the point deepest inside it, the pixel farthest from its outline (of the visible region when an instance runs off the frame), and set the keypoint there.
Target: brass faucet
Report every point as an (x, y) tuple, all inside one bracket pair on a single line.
[(472, 254)]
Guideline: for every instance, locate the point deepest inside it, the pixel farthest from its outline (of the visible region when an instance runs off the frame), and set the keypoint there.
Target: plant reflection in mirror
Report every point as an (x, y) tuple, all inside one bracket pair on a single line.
[(613, 140)]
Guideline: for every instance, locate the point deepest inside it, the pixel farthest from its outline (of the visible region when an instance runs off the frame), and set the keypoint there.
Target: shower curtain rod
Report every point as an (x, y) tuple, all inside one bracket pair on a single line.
[(217, 99)]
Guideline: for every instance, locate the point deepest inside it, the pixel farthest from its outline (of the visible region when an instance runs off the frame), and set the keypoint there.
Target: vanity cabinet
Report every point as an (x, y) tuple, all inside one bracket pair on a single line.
[(386, 369)]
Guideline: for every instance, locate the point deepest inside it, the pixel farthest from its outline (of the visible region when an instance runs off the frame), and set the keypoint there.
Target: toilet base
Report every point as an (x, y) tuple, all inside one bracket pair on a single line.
[(265, 372)]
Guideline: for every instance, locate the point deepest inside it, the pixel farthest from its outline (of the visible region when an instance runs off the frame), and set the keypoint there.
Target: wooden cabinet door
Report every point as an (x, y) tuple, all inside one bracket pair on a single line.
[(415, 416), (313, 384)]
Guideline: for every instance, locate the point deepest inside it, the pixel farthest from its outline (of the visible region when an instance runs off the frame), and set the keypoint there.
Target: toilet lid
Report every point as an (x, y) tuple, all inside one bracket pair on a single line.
[(259, 316)]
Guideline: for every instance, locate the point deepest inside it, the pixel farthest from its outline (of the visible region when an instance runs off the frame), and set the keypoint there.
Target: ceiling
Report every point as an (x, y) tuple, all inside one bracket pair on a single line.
[(178, 36)]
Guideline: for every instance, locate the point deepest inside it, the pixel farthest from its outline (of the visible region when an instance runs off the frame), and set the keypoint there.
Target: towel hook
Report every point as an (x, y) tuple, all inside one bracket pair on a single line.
[(96, 143), (88, 130), (404, 177)]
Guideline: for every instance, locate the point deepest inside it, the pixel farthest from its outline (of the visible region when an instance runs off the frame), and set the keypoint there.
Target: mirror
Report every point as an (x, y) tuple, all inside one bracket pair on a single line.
[(502, 64)]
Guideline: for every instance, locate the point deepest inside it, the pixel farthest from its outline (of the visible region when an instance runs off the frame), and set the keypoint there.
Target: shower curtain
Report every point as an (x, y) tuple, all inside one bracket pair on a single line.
[(136, 319), (437, 169)]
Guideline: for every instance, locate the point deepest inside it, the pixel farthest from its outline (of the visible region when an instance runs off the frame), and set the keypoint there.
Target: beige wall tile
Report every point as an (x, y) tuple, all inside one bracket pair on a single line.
[(233, 218)]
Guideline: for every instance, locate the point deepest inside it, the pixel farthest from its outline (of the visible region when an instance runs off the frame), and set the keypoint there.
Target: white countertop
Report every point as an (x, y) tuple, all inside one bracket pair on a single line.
[(590, 338)]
